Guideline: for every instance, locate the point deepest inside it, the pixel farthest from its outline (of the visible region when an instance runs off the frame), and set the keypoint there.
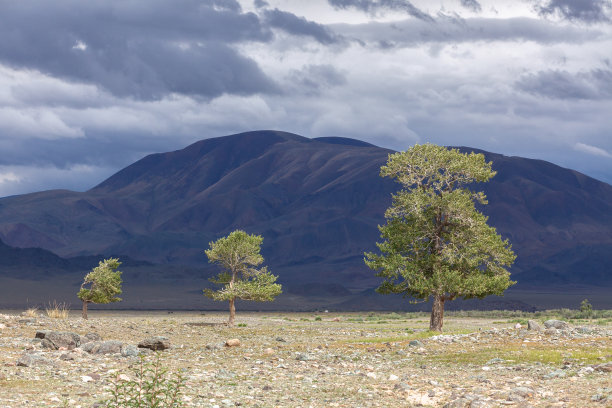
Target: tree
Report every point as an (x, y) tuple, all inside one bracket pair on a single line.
[(435, 243), (101, 285), (238, 255), (586, 309)]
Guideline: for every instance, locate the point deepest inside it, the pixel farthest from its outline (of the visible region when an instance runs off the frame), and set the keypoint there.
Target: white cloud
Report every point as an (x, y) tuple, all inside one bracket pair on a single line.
[(592, 150)]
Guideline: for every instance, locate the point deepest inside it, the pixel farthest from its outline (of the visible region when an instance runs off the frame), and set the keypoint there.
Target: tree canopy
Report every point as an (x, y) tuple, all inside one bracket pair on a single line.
[(102, 284), (238, 254), (435, 242)]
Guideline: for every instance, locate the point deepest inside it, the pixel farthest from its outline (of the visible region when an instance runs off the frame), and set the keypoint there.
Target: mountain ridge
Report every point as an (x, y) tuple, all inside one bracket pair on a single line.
[(317, 202)]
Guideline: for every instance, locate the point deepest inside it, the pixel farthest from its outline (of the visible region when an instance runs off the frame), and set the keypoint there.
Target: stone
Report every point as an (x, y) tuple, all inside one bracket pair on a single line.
[(232, 343), (604, 368), (40, 334), (214, 346), (393, 377), (268, 351), (281, 340), (130, 351), (34, 360), (459, 403), (495, 360), (303, 357), (534, 325), (556, 324), (520, 393), (60, 340), (556, 374), (402, 387), (155, 343), (91, 337), (103, 347), (415, 343)]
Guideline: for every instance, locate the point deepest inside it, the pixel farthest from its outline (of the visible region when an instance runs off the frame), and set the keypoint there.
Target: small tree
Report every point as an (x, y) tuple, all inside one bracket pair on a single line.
[(238, 255), (435, 243), (102, 284), (586, 309)]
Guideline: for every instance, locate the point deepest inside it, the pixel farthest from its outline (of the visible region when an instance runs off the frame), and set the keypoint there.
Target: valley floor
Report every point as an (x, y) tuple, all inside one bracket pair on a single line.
[(314, 360)]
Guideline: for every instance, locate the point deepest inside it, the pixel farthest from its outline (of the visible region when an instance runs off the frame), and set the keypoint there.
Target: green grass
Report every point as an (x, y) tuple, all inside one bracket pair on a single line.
[(516, 355)]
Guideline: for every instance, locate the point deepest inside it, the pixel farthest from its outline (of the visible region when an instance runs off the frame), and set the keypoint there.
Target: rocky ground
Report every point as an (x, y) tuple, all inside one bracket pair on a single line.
[(307, 360)]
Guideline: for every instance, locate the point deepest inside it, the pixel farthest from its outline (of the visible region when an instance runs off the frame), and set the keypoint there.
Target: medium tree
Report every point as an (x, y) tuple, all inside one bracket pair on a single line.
[(102, 284), (238, 255), (435, 242)]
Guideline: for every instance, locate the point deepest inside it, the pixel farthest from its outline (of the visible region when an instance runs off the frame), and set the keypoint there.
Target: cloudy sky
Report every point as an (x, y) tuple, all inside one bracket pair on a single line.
[(88, 87)]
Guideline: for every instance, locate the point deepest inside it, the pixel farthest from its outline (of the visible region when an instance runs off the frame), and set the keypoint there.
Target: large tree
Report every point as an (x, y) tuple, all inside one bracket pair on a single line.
[(102, 284), (435, 242), (238, 255)]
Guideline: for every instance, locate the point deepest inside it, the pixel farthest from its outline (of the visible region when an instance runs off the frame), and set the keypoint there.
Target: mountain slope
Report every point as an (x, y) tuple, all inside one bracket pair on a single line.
[(317, 202)]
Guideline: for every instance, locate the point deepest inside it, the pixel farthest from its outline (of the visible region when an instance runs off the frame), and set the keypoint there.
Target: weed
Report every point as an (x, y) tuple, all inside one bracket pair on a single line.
[(57, 310), (31, 312), (318, 319), (152, 387), (241, 325)]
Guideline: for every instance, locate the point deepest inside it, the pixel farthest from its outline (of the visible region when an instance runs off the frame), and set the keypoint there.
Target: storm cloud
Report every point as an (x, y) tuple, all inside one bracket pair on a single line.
[(88, 87), (372, 6), (588, 11)]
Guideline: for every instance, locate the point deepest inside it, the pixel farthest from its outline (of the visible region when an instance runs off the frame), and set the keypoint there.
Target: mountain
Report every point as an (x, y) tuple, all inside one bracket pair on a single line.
[(317, 202)]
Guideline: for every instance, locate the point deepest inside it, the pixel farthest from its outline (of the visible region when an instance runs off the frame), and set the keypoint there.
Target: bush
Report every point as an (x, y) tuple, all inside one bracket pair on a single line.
[(152, 387), (57, 310)]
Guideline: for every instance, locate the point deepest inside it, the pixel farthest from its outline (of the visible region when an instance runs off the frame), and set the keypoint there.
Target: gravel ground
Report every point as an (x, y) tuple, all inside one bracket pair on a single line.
[(305, 360)]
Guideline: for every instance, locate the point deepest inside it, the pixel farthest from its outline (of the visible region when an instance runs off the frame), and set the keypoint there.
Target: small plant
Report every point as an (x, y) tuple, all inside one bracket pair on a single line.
[(242, 325), (152, 386), (31, 312), (318, 319), (57, 310)]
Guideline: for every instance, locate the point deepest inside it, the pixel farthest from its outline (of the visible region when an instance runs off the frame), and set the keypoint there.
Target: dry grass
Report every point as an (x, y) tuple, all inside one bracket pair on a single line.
[(57, 310), (31, 312)]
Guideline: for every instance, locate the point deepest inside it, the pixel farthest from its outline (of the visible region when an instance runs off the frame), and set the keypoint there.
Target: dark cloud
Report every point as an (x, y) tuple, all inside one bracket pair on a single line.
[(451, 30), (589, 11), (312, 79), (593, 85), (374, 6), (141, 49), (295, 25), (472, 5), (261, 4)]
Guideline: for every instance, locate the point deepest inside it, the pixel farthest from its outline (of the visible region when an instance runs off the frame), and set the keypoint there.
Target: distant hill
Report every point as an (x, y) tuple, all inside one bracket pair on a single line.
[(317, 202)]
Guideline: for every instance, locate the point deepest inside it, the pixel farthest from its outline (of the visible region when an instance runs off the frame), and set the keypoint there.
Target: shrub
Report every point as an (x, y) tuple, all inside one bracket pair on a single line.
[(152, 387), (57, 310)]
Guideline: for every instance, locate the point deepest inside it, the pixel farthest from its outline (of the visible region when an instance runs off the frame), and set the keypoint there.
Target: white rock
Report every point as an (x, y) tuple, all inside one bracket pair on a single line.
[(393, 377), (371, 375), (86, 378), (124, 377), (517, 326)]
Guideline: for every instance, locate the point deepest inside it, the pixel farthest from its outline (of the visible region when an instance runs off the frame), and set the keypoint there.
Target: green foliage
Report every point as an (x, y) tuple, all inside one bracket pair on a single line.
[(103, 283), (151, 387), (586, 309), (238, 255), (435, 242)]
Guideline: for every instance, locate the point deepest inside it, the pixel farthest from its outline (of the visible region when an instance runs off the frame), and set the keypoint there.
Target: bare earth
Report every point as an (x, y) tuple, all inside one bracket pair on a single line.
[(310, 360)]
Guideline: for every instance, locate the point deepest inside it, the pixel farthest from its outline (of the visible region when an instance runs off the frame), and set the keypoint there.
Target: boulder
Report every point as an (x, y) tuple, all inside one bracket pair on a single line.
[(56, 340), (130, 351), (155, 343), (533, 325), (556, 324), (34, 360)]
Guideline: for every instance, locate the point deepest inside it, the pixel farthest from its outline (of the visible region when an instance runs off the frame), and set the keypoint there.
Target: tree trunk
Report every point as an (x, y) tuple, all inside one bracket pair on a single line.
[(85, 309), (232, 308), (437, 314)]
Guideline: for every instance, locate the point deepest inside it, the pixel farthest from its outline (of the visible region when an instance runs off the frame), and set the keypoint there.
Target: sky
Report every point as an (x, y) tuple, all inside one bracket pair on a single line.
[(89, 87)]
